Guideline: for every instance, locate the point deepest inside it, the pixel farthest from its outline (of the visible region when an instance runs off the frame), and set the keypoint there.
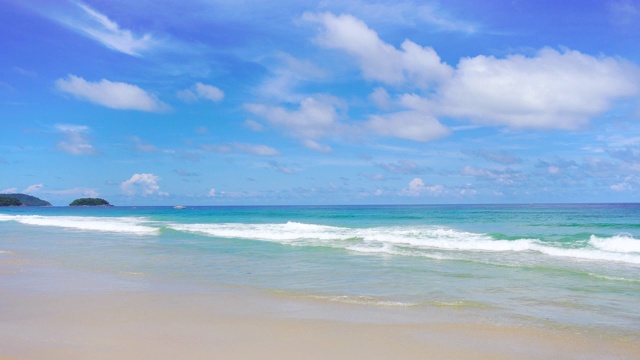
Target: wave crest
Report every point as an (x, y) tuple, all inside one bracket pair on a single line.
[(131, 225)]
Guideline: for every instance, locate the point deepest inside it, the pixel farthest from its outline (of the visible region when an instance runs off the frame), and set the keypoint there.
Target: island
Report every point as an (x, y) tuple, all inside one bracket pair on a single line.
[(21, 200), (90, 202)]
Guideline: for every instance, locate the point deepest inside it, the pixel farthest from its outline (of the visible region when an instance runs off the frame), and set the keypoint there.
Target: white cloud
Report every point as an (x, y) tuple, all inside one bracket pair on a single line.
[(417, 187), (313, 119), (627, 184), (212, 193), (378, 60), (145, 184), (115, 95), (381, 98), (410, 125), (93, 24), (201, 91), (9, 190), (549, 90), (552, 90), (76, 140), (33, 188)]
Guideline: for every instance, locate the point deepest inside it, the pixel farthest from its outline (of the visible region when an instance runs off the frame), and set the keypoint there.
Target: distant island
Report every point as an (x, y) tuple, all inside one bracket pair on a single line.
[(21, 200), (90, 202)]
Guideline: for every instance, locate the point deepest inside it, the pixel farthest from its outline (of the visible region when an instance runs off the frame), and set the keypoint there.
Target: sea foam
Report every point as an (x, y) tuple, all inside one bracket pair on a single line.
[(621, 243), (131, 225), (427, 241)]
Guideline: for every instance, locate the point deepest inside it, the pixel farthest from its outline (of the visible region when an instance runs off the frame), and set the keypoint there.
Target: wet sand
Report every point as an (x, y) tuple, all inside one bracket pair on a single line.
[(52, 313)]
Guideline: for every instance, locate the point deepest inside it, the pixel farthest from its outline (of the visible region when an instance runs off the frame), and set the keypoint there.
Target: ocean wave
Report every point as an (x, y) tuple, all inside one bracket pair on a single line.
[(621, 243), (426, 241), (131, 225)]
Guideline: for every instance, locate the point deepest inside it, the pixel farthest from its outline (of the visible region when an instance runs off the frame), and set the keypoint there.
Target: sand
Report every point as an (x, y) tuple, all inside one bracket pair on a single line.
[(52, 313)]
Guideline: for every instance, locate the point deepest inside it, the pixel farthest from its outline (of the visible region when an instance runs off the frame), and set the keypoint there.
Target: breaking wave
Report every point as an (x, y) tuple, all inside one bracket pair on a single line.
[(131, 225), (429, 241)]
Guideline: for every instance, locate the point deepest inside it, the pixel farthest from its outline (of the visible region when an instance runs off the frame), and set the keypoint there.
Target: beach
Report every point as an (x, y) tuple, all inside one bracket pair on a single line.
[(124, 283), (62, 317)]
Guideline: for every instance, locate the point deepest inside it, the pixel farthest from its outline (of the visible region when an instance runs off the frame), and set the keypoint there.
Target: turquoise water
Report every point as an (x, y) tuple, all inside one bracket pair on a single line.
[(567, 265)]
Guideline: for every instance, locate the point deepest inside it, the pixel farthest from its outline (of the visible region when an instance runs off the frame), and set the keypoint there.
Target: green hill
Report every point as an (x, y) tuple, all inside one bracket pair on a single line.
[(7, 201), (90, 202), (26, 200)]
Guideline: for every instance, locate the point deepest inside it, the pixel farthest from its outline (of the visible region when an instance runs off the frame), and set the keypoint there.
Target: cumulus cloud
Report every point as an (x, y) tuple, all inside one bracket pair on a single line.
[(9, 190), (144, 184), (212, 193), (378, 60), (313, 119), (552, 89), (97, 26), (417, 187), (76, 139), (201, 91), (381, 98), (115, 95)]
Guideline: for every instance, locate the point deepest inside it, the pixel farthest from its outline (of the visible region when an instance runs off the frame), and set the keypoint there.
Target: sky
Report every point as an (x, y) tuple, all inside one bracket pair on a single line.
[(217, 102)]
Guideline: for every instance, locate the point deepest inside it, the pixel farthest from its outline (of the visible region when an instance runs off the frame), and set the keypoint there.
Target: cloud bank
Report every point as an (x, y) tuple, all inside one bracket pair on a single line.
[(549, 90)]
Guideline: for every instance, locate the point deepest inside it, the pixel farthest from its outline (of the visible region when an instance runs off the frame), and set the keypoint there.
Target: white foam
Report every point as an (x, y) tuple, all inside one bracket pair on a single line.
[(414, 240), (588, 254), (621, 243), (132, 225)]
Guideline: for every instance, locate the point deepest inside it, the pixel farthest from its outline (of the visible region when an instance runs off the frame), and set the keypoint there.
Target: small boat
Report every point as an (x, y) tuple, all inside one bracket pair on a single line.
[(179, 207)]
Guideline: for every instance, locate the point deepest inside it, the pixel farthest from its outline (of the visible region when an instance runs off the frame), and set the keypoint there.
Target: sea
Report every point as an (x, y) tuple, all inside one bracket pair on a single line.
[(573, 266)]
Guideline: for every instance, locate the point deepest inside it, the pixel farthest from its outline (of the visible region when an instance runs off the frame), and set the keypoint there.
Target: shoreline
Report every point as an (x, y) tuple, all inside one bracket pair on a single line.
[(59, 313)]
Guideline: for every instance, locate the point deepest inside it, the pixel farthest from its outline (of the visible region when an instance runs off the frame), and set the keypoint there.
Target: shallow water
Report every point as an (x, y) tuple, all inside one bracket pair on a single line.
[(563, 265)]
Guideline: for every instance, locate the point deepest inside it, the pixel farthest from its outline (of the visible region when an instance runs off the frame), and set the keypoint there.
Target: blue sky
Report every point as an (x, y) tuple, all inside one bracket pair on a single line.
[(206, 102)]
